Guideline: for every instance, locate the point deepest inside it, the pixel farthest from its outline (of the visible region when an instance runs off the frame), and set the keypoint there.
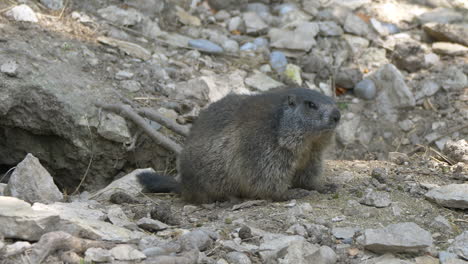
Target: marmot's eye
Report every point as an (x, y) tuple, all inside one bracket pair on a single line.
[(311, 105)]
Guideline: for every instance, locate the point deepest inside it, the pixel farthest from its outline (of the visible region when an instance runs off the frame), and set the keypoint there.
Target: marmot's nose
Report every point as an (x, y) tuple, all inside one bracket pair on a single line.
[(334, 117)]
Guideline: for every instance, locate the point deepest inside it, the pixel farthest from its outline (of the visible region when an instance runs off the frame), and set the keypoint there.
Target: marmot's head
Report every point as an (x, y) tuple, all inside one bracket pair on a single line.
[(309, 114)]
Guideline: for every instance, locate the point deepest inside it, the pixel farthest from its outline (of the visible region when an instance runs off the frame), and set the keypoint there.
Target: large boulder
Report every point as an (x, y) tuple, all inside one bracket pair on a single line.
[(48, 110)]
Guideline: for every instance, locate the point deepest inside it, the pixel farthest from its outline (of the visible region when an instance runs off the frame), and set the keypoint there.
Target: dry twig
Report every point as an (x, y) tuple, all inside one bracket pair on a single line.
[(129, 113), (169, 123)]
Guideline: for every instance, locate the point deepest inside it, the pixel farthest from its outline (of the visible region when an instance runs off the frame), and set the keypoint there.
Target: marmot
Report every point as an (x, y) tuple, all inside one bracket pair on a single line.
[(253, 146)]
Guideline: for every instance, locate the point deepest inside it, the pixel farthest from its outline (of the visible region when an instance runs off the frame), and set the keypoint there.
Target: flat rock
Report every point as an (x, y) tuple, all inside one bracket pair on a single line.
[(254, 23), (456, 33), (452, 195), (126, 253), (392, 91), (460, 245), (209, 88), (19, 221), (377, 199), (388, 259), (129, 48), (119, 16), (151, 224), (117, 216), (128, 183), (401, 237), (9, 68), (205, 46), (330, 29), (344, 232), (238, 258), (355, 25), (324, 255), (440, 15), (32, 182), (301, 38), (114, 127), (298, 252), (98, 255), (262, 82), (457, 150), (22, 13), (452, 49)]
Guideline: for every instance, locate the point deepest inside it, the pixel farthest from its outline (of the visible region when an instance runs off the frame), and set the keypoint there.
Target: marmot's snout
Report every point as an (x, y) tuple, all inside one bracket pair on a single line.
[(334, 117)]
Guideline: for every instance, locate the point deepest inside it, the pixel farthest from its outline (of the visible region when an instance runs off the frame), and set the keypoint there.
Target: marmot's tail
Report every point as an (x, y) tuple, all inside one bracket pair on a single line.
[(156, 183)]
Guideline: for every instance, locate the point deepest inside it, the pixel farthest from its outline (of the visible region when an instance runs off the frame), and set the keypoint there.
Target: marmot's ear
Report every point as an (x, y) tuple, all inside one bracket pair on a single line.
[(292, 100)]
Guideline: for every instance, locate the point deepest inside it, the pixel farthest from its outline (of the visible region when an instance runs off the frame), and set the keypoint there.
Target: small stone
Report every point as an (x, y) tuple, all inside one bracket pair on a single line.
[(297, 229), (231, 46), (17, 248), (325, 255), (426, 260), (236, 24), (448, 258), (120, 16), (123, 75), (365, 89), (130, 85), (197, 239), (301, 38), (205, 46), (440, 15), (245, 232), (380, 174), (265, 68), (452, 49), (457, 150), (278, 61), (344, 232), (431, 59), (355, 25), (126, 252), (452, 196), (406, 125), (293, 74), (457, 33), (262, 82), (398, 158), (254, 23), (401, 237), (222, 15), (114, 127), (98, 255), (330, 29), (186, 18), (459, 245), (348, 77), (151, 225), (376, 199), (10, 68), (32, 182), (441, 223), (53, 4), (238, 258), (22, 13)]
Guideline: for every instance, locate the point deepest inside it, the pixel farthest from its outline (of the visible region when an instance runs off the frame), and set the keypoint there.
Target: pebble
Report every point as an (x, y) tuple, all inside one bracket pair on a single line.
[(238, 258), (123, 75), (10, 68), (278, 61), (22, 13), (231, 46), (365, 89), (53, 4), (447, 48), (205, 46), (126, 252), (130, 85), (330, 29)]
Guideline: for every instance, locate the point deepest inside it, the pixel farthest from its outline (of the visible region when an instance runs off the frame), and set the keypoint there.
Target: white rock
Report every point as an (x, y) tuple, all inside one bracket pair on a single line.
[(123, 17), (19, 221), (301, 38), (452, 195), (254, 23), (114, 127), (9, 68), (17, 248), (98, 255), (32, 182), (401, 237), (126, 252), (22, 13), (262, 82)]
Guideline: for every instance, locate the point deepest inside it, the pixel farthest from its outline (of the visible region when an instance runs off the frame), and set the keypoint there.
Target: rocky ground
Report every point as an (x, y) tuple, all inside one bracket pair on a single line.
[(398, 70)]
